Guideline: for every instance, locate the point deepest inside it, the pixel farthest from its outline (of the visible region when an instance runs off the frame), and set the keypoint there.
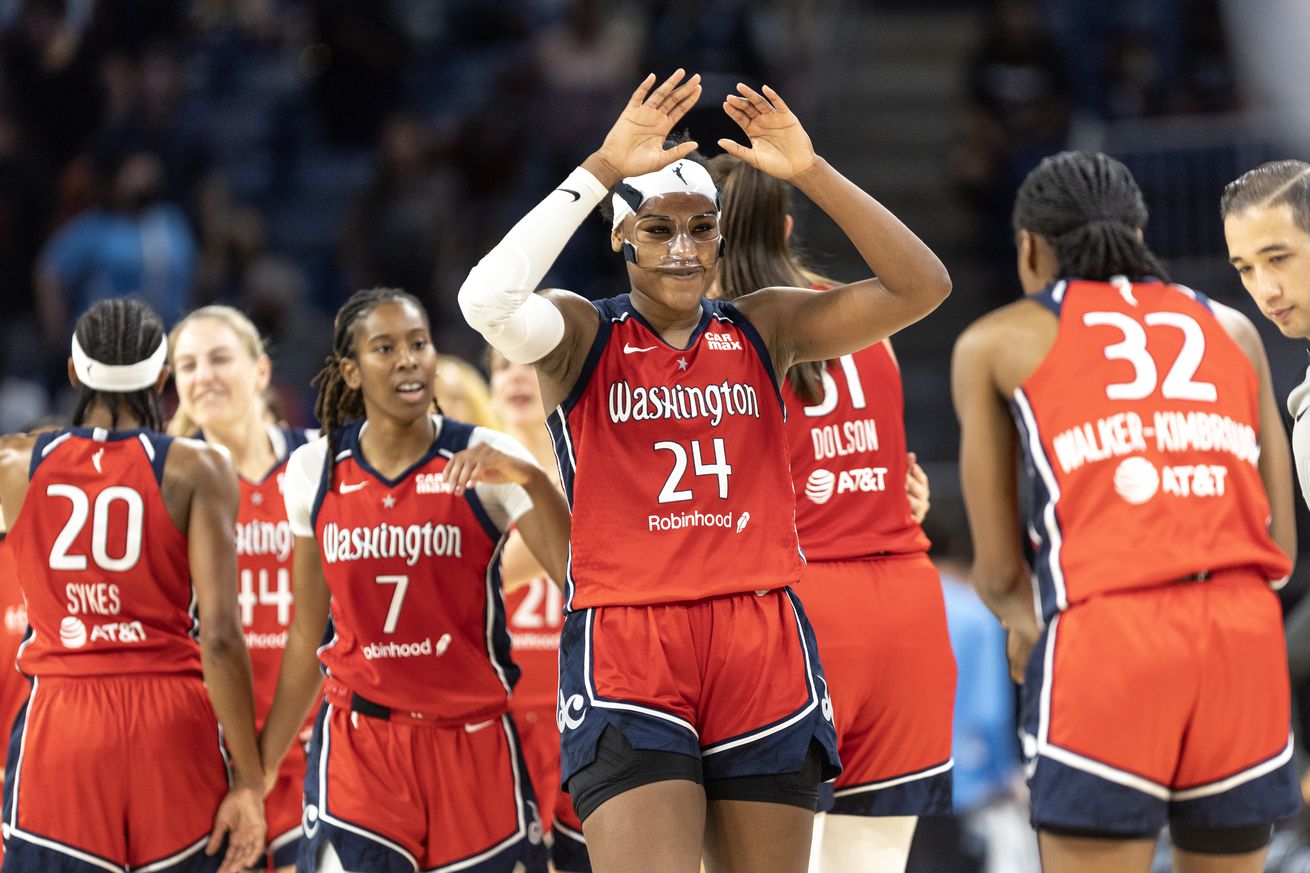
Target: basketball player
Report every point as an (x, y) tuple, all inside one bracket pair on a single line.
[(1266, 216), (534, 608), (117, 761), (693, 709), (14, 688), (869, 589), (221, 373), (399, 516), (1157, 687)]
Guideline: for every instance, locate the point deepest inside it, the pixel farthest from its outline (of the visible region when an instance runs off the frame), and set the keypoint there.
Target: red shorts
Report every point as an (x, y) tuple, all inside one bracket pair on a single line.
[(1165, 704), (540, 737), (399, 796), (284, 806), (114, 771), (881, 626), (732, 681)]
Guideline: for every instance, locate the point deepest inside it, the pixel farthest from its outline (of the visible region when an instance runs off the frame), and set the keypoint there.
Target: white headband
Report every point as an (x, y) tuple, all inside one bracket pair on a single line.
[(679, 177), (118, 378)]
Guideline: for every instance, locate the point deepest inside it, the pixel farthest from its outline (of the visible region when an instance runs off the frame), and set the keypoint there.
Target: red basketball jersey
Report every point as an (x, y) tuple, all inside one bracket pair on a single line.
[(1140, 429), (264, 542), (536, 613), (102, 596), (675, 464), (418, 623), (13, 687), (848, 461)]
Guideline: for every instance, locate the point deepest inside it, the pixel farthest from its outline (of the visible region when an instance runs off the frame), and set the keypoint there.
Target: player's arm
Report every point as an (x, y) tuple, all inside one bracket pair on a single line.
[(1275, 456), (518, 566), (536, 507), (555, 332), (989, 481), (299, 679), (211, 524), (15, 467)]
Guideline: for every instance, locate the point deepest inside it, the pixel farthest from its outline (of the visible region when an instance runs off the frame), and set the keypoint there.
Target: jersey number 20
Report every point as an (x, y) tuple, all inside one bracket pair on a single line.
[(129, 552)]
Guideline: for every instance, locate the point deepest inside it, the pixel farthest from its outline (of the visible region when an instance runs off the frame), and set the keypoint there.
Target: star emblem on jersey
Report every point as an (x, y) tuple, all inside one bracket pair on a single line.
[(388, 501), (257, 498), (682, 363)]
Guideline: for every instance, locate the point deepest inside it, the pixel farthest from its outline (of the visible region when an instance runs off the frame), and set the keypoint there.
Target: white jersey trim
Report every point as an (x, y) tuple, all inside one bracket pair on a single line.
[(1050, 521), (899, 780)]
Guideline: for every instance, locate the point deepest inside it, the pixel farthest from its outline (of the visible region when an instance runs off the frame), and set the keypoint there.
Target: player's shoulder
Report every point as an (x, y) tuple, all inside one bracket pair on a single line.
[(1004, 325), (307, 459), (200, 463)]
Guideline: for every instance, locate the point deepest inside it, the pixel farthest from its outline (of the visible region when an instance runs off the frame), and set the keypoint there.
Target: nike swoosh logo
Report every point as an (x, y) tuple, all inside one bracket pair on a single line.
[(350, 489), (576, 195), (474, 728), (629, 349)]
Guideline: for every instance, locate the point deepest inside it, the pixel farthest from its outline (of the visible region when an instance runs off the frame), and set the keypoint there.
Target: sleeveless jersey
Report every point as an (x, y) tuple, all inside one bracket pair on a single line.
[(1140, 430), (675, 464), (417, 620), (535, 614), (102, 596), (264, 543), (848, 461), (14, 689)]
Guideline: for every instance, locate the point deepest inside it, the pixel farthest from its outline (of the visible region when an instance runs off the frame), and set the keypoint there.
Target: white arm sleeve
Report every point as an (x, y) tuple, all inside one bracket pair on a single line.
[(497, 299), (505, 504), (300, 485)]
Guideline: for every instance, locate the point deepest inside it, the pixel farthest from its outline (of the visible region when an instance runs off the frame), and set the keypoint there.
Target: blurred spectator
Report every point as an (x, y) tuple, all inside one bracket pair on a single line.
[(586, 65), (402, 228), (1018, 110), (298, 335), (132, 243), (361, 72), (51, 76), (26, 202), (155, 117), (232, 237), (717, 39)]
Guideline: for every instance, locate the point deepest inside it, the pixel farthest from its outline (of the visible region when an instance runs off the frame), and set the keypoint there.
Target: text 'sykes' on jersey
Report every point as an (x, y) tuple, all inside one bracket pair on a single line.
[(264, 545), (848, 461), (418, 621), (675, 463), (1140, 430), (105, 569)]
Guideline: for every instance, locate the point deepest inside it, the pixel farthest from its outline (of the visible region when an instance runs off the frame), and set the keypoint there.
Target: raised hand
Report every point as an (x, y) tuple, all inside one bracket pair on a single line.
[(635, 144), (779, 145)]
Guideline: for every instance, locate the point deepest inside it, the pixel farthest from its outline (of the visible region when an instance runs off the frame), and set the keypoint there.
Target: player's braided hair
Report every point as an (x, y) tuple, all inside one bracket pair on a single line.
[(1088, 206), (758, 253), (1271, 184), (119, 331), (337, 402)]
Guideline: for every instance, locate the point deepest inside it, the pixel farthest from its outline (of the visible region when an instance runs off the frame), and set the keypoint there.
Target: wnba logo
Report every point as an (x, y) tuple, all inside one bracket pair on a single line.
[(72, 633), (820, 485)]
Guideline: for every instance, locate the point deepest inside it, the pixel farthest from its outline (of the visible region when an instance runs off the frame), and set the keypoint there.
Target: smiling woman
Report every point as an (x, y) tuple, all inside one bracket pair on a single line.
[(221, 372), (668, 426), (400, 516)]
